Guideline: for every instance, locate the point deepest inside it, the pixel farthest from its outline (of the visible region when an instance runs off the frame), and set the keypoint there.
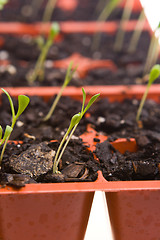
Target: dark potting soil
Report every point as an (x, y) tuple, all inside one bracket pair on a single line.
[(141, 165), (30, 124), (15, 76), (25, 48), (118, 119), (33, 163), (27, 11), (130, 67)]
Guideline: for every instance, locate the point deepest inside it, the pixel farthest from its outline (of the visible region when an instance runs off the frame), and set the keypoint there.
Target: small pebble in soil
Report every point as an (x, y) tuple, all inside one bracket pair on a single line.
[(4, 55)]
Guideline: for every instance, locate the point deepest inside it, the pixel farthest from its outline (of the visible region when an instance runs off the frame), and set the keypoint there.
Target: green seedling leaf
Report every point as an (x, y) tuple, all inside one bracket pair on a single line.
[(1, 130), (75, 119), (40, 42), (91, 101), (84, 99), (55, 29), (2, 3), (7, 133), (69, 74), (23, 102), (154, 73), (10, 101)]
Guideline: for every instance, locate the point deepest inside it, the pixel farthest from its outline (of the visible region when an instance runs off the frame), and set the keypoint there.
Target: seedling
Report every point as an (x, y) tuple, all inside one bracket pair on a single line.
[(154, 74), (2, 3), (38, 71), (50, 6), (67, 80), (125, 17), (153, 50), (23, 102), (72, 127), (106, 12), (137, 32)]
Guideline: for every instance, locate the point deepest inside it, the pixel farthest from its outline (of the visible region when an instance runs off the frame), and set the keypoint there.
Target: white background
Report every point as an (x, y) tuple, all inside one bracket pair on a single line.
[(99, 227)]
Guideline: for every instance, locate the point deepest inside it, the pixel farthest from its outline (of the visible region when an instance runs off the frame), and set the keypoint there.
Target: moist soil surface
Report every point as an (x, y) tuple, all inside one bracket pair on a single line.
[(141, 165), (23, 52), (30, 124), (25, 48), (16, 76), (32, 162), (29, 11), (118, 119)]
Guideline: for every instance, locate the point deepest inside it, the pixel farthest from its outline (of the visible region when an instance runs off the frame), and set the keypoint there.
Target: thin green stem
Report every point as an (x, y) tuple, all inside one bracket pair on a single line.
[(142, 102), (49, 10), (3, 149), (125, 17), (137, 32), (54, 104), (39, 68), (151, 52), (57, 153), (6, 141), (108, 9), (56, 161)]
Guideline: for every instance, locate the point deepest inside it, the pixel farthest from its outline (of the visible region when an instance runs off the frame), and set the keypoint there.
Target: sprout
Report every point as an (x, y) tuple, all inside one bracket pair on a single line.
[(49, 10), (23, 102), (72, 127), (106, 12), (67, 80), (153, 50), (2, 3), (125, 17), (137, 32), (154, 74), (39, 67)]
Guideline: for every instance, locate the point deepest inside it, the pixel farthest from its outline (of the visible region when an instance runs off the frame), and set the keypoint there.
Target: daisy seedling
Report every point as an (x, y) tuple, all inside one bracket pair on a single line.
[(137, 32), (154, 74), (104, 15), (72, 127), (2, 3), (38, 71), (23, 102), (50, 6), (67, 80), (153, 50), (125, 17)]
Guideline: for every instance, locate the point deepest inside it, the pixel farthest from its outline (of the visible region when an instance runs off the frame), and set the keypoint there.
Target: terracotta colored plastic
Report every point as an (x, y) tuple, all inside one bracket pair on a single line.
[(48, 211), (113, 93), (68, 5), (40, 211), (84, 64), (67, 27), (136, 6)]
